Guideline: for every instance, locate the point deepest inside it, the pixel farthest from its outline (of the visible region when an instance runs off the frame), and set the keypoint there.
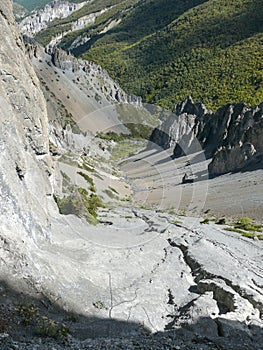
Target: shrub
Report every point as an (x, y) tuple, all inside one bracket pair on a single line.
[(49, 328), (28, 313), (81, 204)]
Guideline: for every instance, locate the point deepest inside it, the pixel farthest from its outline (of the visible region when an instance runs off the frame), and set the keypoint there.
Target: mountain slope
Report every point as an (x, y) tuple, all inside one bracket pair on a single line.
[(166, 50), (213, 52)]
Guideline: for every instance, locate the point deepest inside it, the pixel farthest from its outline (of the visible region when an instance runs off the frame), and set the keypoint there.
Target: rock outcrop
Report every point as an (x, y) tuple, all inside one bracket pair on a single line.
[(40, 19), (230, 136)]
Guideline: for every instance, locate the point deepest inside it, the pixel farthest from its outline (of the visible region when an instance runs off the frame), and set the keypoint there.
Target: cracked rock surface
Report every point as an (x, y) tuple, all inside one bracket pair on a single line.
[(188, 283)]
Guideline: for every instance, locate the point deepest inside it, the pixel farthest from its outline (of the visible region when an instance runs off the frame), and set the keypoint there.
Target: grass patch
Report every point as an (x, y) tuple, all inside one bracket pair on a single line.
[(89, 180), (176, 222), (125, 148), (244, 233), (247, 225), (111, 136), (67, 159), (110, 194), (246, 228), (86, 167)]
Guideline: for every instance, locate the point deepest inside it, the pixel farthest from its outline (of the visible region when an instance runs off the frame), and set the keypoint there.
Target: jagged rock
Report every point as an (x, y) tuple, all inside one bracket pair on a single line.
[(231, 135), (181, 127)]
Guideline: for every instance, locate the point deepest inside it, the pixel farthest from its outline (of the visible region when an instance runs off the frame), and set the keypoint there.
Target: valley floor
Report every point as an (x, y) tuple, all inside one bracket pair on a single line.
[(157, 181)]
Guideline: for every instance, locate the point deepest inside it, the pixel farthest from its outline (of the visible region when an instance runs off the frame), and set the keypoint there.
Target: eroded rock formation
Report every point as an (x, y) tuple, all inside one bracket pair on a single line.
[(231, 135), (40, 19)]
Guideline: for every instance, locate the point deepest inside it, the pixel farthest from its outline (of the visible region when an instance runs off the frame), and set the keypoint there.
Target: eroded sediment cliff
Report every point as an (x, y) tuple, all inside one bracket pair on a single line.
[(40, 18)]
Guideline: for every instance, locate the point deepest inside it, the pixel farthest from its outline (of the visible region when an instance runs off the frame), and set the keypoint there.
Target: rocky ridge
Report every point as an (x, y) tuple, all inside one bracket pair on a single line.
[(111, 89), (230, 136)]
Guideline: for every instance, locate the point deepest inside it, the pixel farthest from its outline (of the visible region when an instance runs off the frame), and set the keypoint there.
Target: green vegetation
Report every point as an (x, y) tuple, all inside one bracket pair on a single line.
[(86, 167), (166, 50), (176, 222), (81, 204), (247, 225), (221, 221), (77, 200), (100, 305), (89, 180), (111, 135), (246, 228), (205, 221), (30, 315), (124, 148), (61, 25), (210, 50), (50, 328), (110, 194)]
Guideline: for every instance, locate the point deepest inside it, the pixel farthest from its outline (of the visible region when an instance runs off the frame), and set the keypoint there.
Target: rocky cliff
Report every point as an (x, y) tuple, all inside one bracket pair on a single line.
[(26, 171), (230, 136)]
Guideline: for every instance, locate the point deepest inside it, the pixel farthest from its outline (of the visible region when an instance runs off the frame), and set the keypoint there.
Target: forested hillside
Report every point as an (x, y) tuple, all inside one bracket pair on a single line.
[(165, 50)]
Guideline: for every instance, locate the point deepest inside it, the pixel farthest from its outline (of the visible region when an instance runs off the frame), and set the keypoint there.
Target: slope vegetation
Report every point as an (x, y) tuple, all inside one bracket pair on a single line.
[(213, 51)]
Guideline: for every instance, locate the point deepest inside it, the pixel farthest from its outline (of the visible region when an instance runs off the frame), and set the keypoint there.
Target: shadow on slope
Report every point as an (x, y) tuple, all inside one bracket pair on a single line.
[(32, 314), (26, 318)]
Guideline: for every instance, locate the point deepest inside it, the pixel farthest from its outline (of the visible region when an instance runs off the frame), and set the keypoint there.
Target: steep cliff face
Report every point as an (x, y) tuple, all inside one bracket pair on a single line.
[(26, 168), (230, 135)]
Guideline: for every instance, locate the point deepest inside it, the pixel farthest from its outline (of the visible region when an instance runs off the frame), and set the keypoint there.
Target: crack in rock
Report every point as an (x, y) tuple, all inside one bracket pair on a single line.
[(228, 299)]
